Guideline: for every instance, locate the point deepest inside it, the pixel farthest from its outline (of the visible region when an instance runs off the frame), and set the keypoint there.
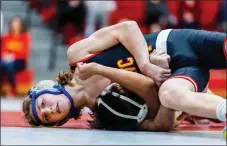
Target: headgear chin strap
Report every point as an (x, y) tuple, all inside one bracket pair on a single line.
[(49, 87)]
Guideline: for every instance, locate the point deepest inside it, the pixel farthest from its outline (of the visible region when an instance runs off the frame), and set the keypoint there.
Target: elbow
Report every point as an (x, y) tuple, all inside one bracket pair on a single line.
[(124, 29), (70, 52), (129, 25), (130, 22)]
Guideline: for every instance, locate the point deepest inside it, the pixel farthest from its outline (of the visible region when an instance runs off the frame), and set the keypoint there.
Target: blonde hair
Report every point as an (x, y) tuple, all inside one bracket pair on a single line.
[(63, 78)]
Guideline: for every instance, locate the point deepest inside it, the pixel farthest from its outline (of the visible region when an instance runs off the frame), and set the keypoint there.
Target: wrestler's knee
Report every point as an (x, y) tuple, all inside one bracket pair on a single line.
[(167, 94), (175, 92)]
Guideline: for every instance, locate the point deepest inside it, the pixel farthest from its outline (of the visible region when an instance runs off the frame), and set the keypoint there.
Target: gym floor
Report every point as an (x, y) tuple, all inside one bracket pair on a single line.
[(15, 132)]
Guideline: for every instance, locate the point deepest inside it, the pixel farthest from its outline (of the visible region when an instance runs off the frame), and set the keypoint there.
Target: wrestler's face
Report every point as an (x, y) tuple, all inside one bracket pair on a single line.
[(16, 25), (52, 108)]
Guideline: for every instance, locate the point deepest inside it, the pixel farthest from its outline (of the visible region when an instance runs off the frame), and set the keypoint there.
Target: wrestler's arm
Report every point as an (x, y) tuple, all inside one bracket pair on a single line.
[(126, 33), (139, 84), (145, 87), (163, 121)]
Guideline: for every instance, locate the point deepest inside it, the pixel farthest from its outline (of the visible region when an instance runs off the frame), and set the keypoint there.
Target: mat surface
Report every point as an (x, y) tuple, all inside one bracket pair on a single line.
[(16, 119), (60, 136), (15, 131)]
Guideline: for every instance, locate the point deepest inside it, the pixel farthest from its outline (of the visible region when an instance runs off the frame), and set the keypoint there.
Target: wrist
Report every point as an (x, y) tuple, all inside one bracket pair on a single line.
[(98, 69)]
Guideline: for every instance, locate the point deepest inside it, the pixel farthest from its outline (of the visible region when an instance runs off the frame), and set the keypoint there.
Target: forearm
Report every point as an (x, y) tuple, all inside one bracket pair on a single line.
[(135, 82), (128, 34), (164, 121), (133, 40)]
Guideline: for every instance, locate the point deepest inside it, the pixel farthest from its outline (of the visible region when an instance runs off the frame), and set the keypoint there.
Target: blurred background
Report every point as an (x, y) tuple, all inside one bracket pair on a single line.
[(35, 34)]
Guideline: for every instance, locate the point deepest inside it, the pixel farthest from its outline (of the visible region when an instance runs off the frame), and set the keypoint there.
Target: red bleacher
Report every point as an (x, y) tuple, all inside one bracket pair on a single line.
[(134, 10), (24, 81)]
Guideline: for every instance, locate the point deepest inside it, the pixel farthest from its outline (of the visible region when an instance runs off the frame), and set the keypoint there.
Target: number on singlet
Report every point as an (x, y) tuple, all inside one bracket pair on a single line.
[(126, 65), (129, 64)]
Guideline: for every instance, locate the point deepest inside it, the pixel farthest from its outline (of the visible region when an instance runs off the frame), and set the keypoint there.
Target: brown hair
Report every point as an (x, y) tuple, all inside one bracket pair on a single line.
[(23, 26), (63, 78)]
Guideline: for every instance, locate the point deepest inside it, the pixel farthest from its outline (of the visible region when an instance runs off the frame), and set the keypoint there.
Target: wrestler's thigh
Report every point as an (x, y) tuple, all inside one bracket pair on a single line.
[(183, 82)]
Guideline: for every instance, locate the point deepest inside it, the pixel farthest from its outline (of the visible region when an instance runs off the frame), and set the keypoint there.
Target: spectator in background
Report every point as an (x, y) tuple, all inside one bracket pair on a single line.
[(15, 48), (156, 15), (189, 14), (222, 17), (97, 13), (72, 11)]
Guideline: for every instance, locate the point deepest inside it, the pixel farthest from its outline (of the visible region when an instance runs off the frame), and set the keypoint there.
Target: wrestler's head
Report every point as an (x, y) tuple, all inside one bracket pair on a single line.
[(117, 110), (49, 104)]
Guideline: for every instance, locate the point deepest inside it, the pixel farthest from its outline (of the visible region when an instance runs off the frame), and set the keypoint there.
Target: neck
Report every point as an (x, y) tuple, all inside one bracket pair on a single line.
[(85, 93)]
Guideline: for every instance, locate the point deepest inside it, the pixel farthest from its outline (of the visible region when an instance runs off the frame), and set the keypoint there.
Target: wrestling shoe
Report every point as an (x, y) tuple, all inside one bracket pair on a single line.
[(224, 131)]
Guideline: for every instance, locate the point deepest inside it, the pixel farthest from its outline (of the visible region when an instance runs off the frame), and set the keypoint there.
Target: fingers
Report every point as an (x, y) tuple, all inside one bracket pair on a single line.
[(159, 52), (79, 66), (77, 71), (166, 57), (154, 52), (166, 71), (182, 116), (111, 86), (166, 75), (117, 87), (163, 79)]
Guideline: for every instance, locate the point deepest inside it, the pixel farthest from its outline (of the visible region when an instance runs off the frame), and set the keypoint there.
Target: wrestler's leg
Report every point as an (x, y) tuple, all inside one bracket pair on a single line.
[(179, 94)]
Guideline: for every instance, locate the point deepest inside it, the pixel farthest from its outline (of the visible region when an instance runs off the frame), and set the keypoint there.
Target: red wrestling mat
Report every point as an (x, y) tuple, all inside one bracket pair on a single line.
[(16, 119)]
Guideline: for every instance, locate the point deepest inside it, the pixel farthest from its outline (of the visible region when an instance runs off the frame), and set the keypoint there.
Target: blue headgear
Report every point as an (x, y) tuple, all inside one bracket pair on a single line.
[(49, 87)]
